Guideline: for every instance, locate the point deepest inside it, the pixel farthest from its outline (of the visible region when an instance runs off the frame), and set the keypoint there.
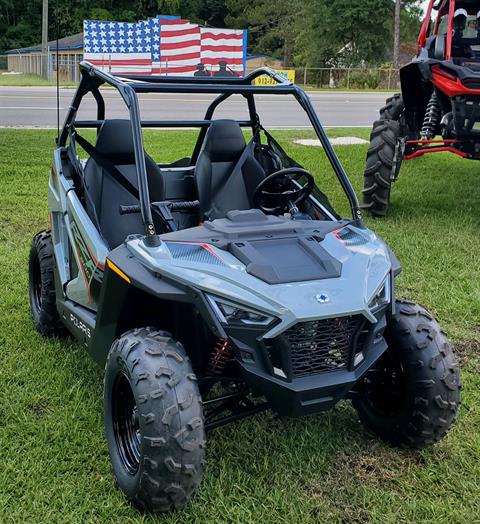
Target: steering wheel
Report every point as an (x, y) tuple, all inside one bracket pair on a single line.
[(279, 192)]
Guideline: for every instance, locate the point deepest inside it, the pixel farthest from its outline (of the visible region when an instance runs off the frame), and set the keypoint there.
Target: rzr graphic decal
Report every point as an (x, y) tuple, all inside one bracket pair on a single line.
[(92, 270)]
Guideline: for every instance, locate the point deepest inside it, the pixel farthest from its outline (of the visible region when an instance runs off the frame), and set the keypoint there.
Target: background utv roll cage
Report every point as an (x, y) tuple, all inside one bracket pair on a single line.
[(443, 7), (129, 85)]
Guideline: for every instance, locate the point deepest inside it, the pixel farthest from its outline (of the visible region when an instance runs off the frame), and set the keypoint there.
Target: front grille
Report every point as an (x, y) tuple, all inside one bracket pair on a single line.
[(322, 346)]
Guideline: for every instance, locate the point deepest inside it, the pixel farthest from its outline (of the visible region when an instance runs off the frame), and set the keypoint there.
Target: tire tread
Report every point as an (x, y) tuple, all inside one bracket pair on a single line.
[(434, 385), (47, 320), (173, 449)]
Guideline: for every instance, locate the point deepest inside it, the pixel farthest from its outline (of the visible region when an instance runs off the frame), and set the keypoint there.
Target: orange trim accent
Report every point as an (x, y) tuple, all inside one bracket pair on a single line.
[(118, 271), (95, 261)]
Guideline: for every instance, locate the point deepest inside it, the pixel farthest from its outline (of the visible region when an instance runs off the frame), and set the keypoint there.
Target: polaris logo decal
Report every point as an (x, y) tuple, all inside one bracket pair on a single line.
[(80, 325), (322, 298)]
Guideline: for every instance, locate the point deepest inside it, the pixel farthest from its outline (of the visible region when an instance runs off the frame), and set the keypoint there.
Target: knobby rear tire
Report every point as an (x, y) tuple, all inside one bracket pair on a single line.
[(41, 286), (410, 398), (393, 108), (380, 166)]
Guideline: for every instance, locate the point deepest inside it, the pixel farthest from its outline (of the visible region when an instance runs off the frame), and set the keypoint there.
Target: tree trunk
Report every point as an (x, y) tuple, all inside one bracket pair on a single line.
[(396, 34)]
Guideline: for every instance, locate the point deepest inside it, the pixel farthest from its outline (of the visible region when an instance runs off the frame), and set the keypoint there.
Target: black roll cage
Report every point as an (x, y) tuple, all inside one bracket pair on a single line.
[(129, 85)]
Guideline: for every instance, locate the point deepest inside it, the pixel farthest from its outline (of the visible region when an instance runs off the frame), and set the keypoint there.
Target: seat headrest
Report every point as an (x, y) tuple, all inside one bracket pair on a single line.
[(115, 141), (224, 141)]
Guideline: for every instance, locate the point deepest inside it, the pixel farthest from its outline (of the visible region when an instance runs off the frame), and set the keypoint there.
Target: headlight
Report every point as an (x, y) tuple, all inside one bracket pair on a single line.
[(233, 314), (382, 297)]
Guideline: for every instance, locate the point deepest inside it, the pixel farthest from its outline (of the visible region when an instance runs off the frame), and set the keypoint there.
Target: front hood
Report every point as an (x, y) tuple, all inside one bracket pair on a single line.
[(362, 260)]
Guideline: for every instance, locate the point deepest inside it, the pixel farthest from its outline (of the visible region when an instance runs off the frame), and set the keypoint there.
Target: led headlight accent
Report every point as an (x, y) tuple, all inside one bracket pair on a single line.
[(382, 297), (230, 313)]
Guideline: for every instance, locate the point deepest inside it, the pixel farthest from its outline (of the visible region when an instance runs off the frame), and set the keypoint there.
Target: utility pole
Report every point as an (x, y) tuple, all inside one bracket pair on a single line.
[(45, 39), (396, 34)]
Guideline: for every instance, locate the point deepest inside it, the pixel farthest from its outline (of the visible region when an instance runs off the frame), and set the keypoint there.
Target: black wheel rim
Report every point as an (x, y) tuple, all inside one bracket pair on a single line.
[(36, 283), (126, 424), (385, 388)]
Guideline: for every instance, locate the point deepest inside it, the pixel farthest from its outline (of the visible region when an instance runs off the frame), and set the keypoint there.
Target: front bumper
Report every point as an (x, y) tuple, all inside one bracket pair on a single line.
[(305, 395)]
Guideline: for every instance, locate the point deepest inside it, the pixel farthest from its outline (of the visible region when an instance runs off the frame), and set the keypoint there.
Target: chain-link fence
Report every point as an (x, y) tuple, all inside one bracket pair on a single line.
[(308, 77), (348, 78), (356, 78)]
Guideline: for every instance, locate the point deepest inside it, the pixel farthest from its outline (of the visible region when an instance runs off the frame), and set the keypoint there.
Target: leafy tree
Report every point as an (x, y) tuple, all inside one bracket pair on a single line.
[(345, 32), (410, 21), (313, 32), (322, 32), (271, 30)]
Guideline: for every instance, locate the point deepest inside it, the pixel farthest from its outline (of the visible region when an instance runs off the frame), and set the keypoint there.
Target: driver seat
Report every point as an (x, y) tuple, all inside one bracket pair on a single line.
[(115, 143), (221, 186)]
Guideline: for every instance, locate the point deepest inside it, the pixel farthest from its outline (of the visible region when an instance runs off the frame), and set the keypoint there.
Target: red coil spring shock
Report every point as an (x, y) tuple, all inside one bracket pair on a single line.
[(221, 354)]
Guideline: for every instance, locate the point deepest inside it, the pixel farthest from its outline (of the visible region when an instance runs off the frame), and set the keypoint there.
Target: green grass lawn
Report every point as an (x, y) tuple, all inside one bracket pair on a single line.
[(54, 465), (25, 80)]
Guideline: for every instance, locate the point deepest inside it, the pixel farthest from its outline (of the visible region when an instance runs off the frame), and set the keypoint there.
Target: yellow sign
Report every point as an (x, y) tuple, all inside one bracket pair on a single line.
[(267, 81)]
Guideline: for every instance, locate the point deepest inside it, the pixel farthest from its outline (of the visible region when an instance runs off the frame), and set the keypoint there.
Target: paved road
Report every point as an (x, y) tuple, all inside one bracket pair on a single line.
[(36, 107)]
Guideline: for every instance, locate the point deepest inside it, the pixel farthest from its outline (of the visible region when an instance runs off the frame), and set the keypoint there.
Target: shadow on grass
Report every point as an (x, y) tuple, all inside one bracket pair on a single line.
[(306, 456)]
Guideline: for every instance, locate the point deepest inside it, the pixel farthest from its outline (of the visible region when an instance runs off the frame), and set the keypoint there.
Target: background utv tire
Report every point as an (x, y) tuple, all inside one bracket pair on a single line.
[(411, 396), (41, 286), (393, 108), (153, 420), (379, 167)]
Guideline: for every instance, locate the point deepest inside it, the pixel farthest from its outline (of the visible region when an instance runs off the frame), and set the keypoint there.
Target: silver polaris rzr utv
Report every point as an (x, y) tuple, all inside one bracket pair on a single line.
[(223, 285)]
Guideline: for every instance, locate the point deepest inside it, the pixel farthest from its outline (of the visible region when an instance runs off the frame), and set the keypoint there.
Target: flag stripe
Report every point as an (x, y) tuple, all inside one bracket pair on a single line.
[(221, 36), (184, 56), (130, 62), (179, 39), (174, 70), (226, 51), (180, 45), (174, 21), (215, 61), (192, 62), (224, 45)]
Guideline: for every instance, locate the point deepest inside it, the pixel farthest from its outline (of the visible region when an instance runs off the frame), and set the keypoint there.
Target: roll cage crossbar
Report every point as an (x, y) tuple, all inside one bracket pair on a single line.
[(129, 85)]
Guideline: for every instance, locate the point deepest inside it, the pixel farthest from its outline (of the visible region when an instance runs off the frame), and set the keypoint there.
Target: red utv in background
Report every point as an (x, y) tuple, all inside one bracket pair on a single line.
[(438, 109)]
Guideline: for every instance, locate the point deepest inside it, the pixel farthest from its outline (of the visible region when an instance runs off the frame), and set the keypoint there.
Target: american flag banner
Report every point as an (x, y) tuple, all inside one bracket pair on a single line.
[(118, 47), (165, 45)]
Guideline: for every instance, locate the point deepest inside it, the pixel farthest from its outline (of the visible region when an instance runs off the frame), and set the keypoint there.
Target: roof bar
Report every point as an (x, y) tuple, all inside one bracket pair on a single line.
[(218, 80), (83, 124)]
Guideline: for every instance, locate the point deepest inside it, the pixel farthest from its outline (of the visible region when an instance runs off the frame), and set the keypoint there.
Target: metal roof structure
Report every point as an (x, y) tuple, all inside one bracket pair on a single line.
[(68, 43)]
